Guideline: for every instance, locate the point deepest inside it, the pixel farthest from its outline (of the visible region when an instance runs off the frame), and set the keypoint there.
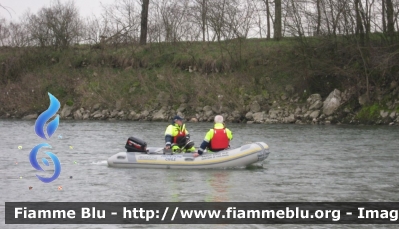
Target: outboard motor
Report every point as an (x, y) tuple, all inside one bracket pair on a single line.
[(134, 144)]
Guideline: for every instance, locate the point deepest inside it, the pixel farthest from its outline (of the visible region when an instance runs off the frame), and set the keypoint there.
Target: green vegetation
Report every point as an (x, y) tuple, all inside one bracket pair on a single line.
[(368, 114), (69, 102), (232, 73)]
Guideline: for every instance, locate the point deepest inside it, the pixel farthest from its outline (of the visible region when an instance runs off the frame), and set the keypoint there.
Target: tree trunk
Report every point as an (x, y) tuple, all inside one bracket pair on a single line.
[(318, 17), (144, 22), (390, 20), (359, 24), (203, 17), (277, 20), (268, 19), (384, 21)]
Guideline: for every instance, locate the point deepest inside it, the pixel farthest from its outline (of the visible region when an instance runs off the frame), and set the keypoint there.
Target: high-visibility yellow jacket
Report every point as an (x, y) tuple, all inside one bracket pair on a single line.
[(210, 135), (174, 133)]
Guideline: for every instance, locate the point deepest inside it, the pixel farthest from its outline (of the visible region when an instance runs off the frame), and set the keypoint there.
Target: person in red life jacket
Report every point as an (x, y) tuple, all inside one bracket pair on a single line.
[(177, 137), (216, 139)]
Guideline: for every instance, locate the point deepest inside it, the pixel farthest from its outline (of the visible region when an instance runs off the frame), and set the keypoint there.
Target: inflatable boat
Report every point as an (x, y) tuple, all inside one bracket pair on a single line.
[(139, 156)]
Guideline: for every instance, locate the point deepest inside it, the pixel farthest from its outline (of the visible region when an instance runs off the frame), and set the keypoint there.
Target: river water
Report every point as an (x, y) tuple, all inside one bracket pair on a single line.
[(307, 163)]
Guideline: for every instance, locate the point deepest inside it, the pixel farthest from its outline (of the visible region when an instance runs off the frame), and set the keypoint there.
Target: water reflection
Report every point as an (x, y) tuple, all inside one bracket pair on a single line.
[(218, 183), (199, 186), (175, 184)]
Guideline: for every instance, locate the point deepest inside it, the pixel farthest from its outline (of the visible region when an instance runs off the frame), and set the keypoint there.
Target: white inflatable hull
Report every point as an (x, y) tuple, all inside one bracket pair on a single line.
[(154, 158)]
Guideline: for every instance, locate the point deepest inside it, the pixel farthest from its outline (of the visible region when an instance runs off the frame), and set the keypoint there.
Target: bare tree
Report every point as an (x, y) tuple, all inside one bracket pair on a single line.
[(40, 33), (64, 22), (19, 36), (204, 10), (277, 20), (384, 21), (58, 25), (144, 22), (172, 16), (318, 23), (216, 17), (390, 19), (241, 18), (96, 30), (123, 22), (295, 26), (359, 24), (268, 16), (333, 11), (154, 29), (4, 32), (348, 22), (6, 9), (199, 14)]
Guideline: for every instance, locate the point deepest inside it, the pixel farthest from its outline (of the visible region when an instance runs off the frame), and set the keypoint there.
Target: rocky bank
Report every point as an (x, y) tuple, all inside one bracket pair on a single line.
[(334, 109)]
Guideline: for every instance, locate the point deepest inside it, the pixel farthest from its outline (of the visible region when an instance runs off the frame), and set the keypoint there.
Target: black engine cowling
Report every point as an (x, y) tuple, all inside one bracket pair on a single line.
[(134, 144)]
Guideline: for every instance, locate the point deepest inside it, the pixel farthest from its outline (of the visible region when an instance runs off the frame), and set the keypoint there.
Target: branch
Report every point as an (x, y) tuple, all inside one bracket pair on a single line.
[(5, 7)]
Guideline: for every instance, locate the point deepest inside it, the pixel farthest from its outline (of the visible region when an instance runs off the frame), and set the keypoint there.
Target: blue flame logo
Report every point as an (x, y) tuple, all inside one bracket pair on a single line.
[(45, 116), (51, 128), (35, 164)]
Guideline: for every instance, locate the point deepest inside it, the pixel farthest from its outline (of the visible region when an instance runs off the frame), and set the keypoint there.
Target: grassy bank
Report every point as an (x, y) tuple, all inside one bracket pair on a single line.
[(232, 73)]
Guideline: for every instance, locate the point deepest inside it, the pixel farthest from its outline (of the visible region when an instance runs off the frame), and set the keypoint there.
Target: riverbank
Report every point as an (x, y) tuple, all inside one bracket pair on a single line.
[(247, 81), (333, 110)]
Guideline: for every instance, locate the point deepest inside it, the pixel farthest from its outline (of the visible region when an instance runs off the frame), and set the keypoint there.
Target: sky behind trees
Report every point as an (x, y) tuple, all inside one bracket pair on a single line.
[(191, 20), (16, 8)]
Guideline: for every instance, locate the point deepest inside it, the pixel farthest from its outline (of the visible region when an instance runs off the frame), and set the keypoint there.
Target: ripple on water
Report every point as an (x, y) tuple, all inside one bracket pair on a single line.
[(306, 163)]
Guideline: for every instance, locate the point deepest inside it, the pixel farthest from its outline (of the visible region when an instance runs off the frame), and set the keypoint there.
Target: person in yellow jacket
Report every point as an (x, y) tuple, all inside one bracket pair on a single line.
[(177, 137), (216, 139)]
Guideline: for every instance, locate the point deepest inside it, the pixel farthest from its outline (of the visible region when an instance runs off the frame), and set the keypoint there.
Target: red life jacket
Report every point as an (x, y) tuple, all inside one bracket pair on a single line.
[(220, 141), (180, 135)]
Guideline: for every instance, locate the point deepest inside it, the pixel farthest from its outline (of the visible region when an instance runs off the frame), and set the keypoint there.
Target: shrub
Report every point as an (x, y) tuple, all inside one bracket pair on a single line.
[(369, 114)]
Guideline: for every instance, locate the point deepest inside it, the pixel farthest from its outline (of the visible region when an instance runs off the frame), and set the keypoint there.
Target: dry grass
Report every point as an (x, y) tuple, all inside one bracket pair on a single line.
[(230, 73)]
